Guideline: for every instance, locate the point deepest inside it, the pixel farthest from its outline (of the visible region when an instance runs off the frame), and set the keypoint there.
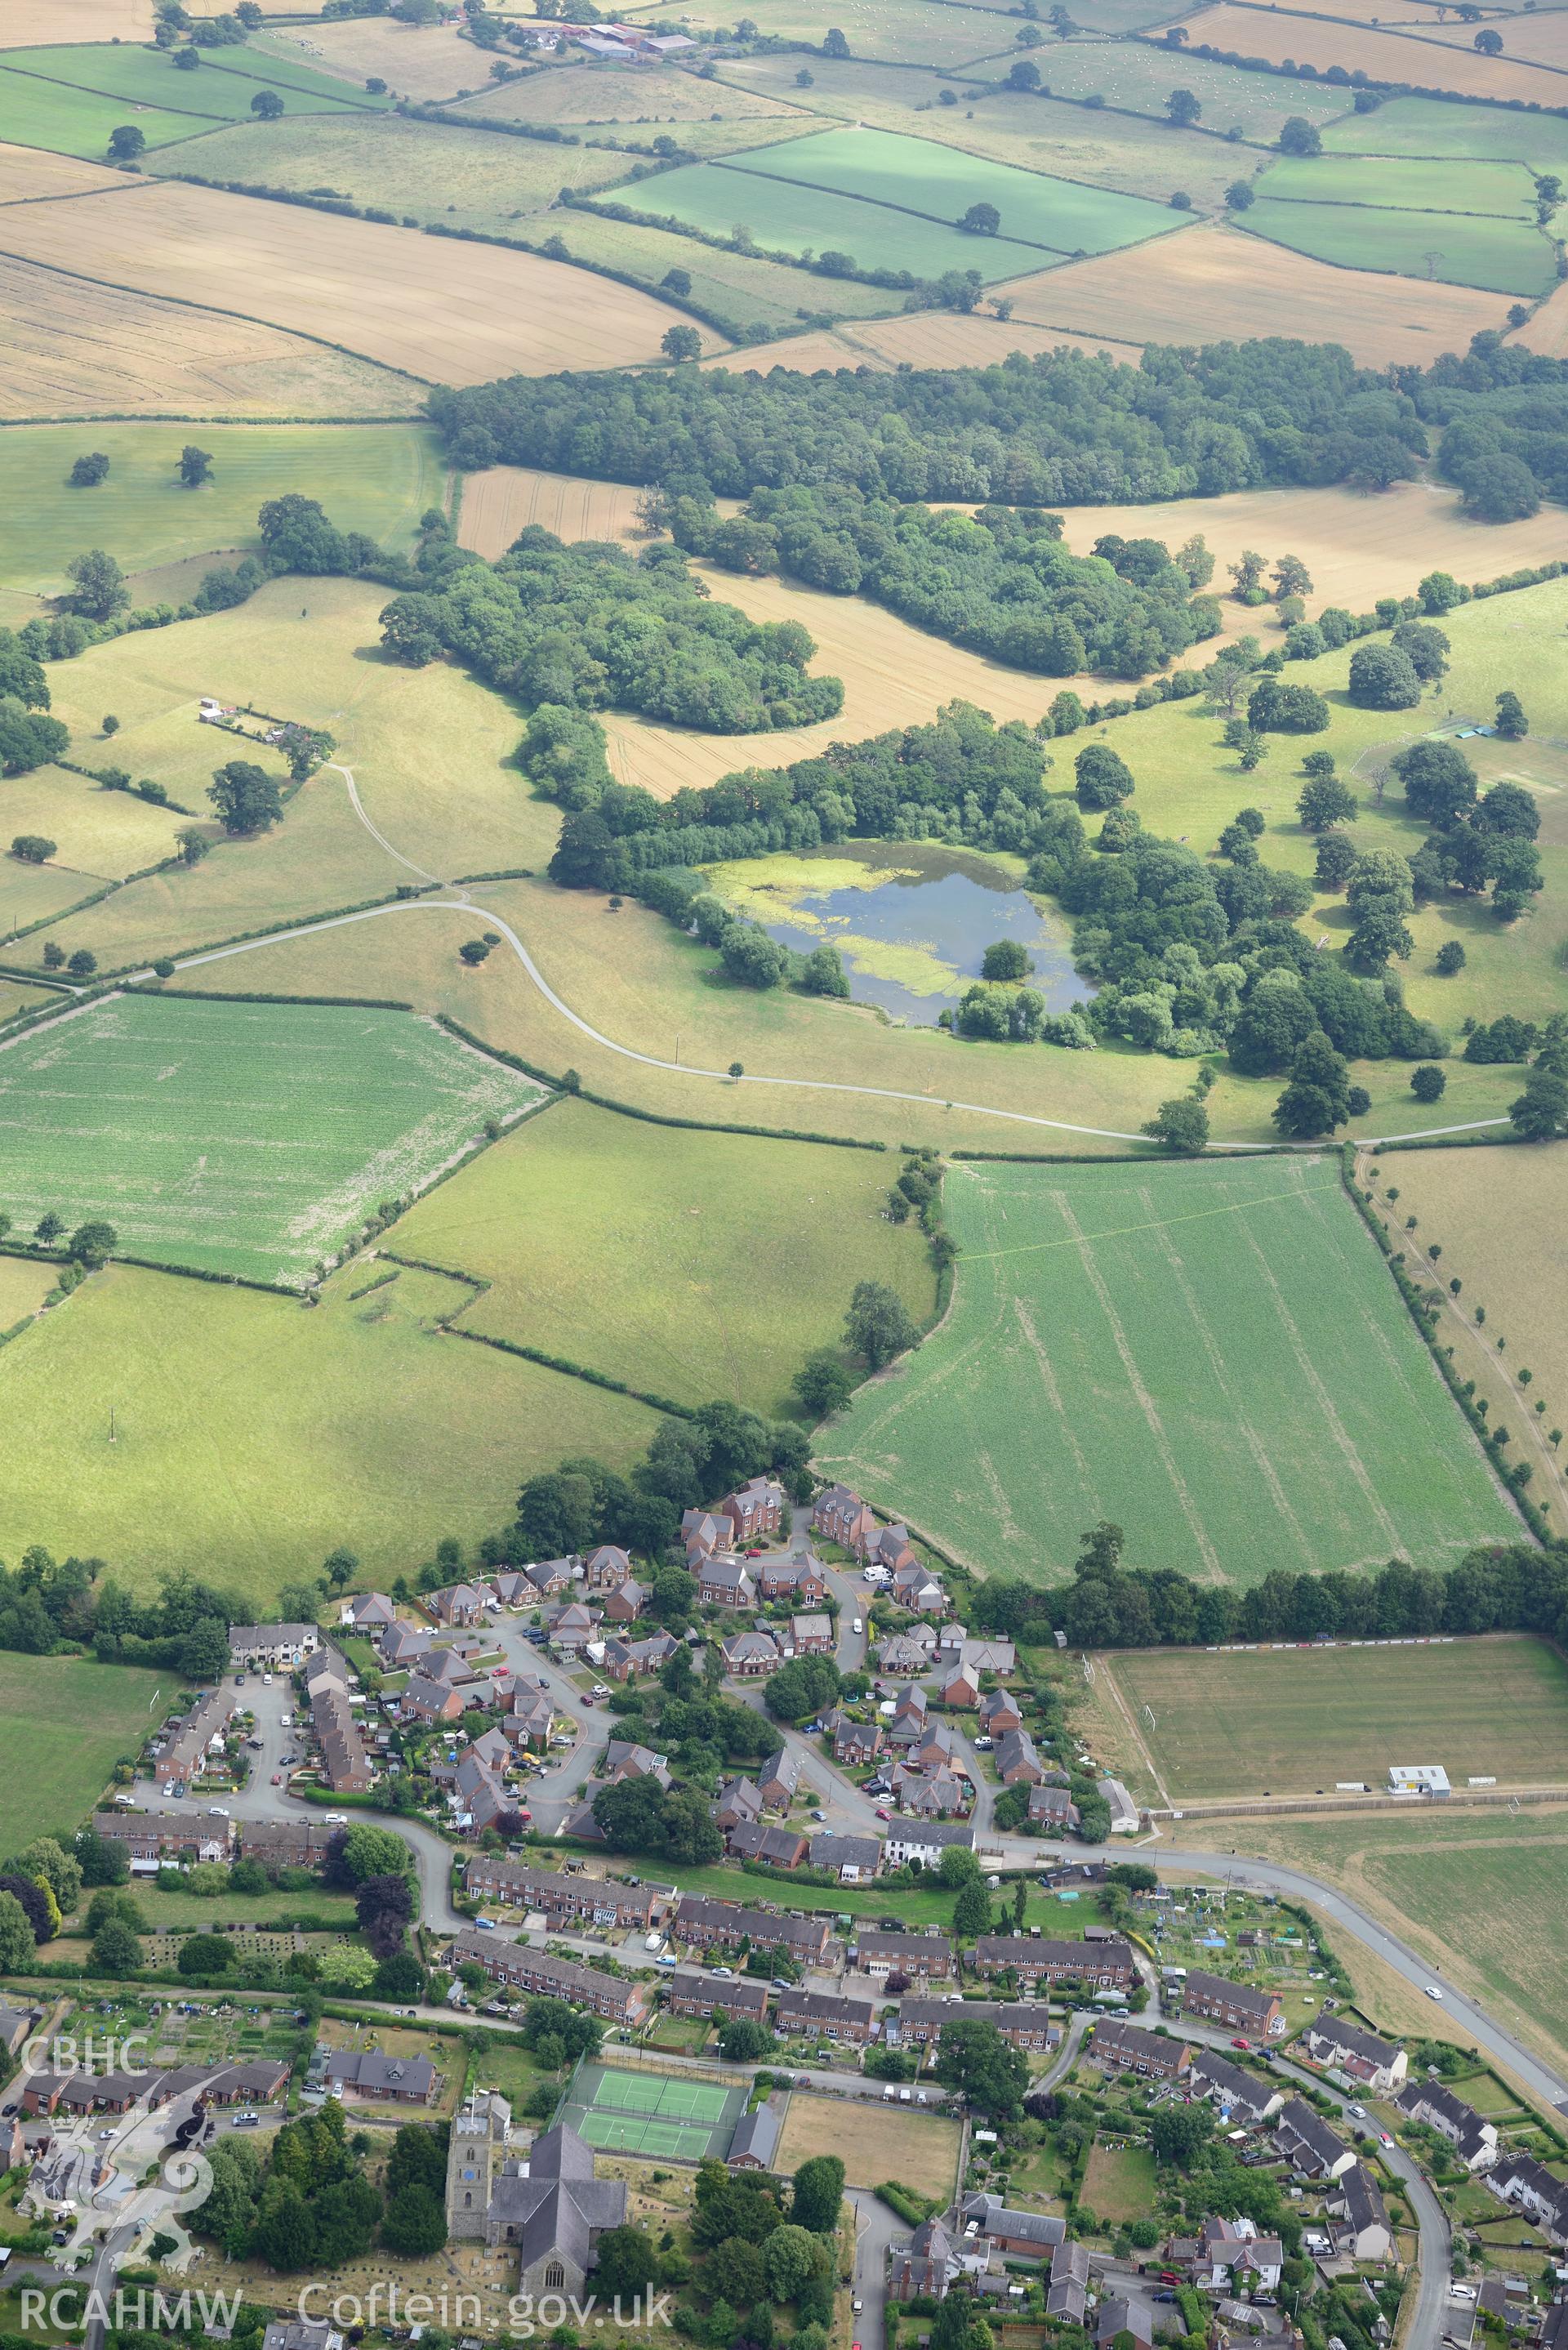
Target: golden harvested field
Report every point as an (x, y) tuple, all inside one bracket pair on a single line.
[(1236, 286), (1413, 15), (33, 24), (1531, 40), (1547, 330), (27, 172), (919, 2150), (68, 348), (500, 503), (422, 61), (928, 338), (100, 835), (1357, 548), (443, 312), (1385, 56)]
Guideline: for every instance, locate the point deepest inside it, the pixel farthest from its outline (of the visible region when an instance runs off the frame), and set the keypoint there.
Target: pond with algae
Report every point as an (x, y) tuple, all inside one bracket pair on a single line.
[(912, 921)]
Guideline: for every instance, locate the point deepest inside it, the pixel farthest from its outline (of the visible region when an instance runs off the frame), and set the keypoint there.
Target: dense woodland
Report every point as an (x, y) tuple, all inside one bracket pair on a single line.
[(1002, 583), (1063, 427)]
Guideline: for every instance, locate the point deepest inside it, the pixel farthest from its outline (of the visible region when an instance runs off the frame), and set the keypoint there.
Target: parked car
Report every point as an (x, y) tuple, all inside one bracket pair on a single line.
[(1359, 2111), (278, 1778), (856, 1625), (883, 1812), (267, 1680), (982, 1745), (1240, 2042), (600, 1689)]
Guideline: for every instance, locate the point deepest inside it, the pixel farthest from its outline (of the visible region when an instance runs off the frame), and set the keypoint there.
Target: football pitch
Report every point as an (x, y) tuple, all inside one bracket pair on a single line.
[(664, 2114), (249, 1139), (1214, 1356)]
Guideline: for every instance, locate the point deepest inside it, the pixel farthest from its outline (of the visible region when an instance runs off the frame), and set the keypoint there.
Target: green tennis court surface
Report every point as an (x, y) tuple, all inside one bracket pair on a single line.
[(623, 2112)]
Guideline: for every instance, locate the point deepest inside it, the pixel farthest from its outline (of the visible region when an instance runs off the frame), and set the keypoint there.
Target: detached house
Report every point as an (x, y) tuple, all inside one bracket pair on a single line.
[(625, 1758), (905, 1654), (1377, 2065), (626, 1602), (998, 1711), (532, 1713), (812, 1636), (369, 1611), (914, 1586), (925, 2266), (1017, 1763), (854, 1859), (1052, 1810), (749, 1655), (571, 1626), (778, 1780), (755, 1510), (740, 1805), (606, 1568), (773, 1847), (623, 1658), (961, 1689), (459, 1603), (1356, 2204), (842, 1517), (1231, 2254), (702, 1535), (857, 1743), (798, 1579)]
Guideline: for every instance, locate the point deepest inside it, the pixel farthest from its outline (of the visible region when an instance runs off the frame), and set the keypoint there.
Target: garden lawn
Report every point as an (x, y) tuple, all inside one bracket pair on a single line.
[(237, 1138), (692, 1265), (250, 1430), (1212, 1356), (63, 1725), (888, 168), (376, 478), (1118, 2184), (1505, 256)]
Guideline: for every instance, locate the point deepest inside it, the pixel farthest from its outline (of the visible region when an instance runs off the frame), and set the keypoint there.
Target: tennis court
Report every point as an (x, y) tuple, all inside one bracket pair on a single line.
[(670, 2115)]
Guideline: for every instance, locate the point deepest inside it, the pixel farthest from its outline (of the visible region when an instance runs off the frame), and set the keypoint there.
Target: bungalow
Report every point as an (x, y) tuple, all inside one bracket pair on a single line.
[(1017, 2235), (842, 1517), (1109, 1964), (456, 1604), (773, 1847), (1023, 2024), (1308, 2144), (749, 1655), (756, 2138), (812, 1635), (725, 1581), (194, 1739), (367, 1611), (507, 1961), (366, 2072), (854, 1860), (625, 1758), (825, 2015), (991, 1656), (1017, 1763), (149, 1838), (532, 1713), (705, 1923), (919, 1956), (702, 1535), (625, 1603), (566, 1901), (1362, 2233), (1236, 2005), (606, 1568), (1473, 2139), (740, 1805), (778, 1780), (858, 1743), (623, 1658), (274, 1646), (1066, 2297), (1377, 2065), (1238, 2095), (998, 1711), (904, 1653), (301, 2334), (1119, 2047), (571, 1626), (424, 1699), (926, 1840), (961, 1689), (1052, 1810), (756, 1509), (692, 1993), (1231, 2254)]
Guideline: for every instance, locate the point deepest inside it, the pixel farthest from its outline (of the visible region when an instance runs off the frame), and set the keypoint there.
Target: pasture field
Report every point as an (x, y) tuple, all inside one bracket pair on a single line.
[(63, 1725), (421, 171), (1512, 1262), (921, 2150), (1427, 127), (507, 499), (1531, 42), (903, 30), (692, 1265), (461, 313), (883, 167), (1502, 256), (33, 893), (250, 1430), (24, 1285), (1241, 286), (1383, 57), (374, 478), (1498, 188), (419, 61), (1289, 1721), (223, 89), (52, 115), (757, 294), (581, 94), (1138, 75), (237, 1138), (1039, 134), (785, 217), (63, 340), (1087, 1369), (1509, 1872), (99, 836), (1118, 2184), (708, 135)]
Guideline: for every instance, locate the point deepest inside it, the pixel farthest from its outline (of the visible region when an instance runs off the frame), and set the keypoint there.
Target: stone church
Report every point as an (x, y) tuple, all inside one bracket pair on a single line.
[(546, 2201)]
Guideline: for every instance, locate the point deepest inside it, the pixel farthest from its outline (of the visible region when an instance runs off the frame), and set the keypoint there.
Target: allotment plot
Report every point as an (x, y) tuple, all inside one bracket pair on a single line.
[(243, 1138), (1214, 1356)]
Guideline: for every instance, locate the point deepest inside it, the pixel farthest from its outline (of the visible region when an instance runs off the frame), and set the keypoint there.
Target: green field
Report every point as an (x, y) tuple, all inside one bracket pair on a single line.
[(1433, 127), (221, 89), (237, 1138), (1118, 2184), (1212, 1356), (71, 121), (906, 30), (690, 1266), (378, 478), (252, 1436), (886, 168), (1506, 256), (63, 1725), (1502, 191), (1293, 1721), (1139, 76), (743, 288), (421, 171)]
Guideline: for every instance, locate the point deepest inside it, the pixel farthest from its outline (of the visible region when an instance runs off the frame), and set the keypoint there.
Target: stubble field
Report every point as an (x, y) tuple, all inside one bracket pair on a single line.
[(1294, 1721), (1383, 57), (507, 499), (1212, 1356), (237, 1138)]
